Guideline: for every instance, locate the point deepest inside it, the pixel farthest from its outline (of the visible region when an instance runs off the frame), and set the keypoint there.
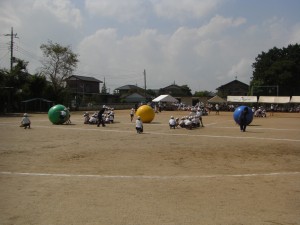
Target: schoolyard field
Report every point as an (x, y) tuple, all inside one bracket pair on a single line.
[(82, 174)]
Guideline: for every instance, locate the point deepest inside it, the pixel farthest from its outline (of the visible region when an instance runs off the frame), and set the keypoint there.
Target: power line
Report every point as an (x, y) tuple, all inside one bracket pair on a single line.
[(16, 47), (24, 50), (27, 53), (4, 55)]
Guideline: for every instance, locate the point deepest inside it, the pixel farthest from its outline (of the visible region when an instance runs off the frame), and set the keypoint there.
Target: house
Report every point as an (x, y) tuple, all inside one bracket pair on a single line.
[(175, 90), (128, 89), (83, 89), (233, 88), (134, 98), (83, 85), (131, 93)]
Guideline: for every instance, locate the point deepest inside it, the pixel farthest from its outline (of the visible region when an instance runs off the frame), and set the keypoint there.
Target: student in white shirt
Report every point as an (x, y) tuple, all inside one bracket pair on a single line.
[(25, 121), (131, 114), (172, 122), (139, 125), (111, 117), (188, 123), (86, 116)]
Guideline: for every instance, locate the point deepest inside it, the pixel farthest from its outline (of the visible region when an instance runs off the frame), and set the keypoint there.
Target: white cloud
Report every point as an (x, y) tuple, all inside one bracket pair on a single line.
[(15, 13), (181, 10), (188, 56), (218, 24), (64, 10), (242, 69), (123, 11), (295, 34), (104, 54), (9, 13)]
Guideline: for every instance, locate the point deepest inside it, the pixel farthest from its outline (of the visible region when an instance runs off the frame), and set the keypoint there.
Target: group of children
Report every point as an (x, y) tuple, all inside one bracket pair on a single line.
[(259, 112), (193, 120), (108, 117)]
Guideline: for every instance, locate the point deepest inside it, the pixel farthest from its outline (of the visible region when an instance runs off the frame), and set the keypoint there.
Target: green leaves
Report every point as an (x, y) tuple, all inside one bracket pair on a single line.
[(278, 67), (58, 64)]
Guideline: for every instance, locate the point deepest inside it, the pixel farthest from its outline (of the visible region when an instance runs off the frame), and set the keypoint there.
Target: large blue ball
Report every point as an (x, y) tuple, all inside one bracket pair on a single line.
[(238, 111)]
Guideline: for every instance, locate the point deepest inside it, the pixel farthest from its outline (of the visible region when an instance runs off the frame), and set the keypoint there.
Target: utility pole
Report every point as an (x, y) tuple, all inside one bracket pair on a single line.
[(145, 83), (12, 36)]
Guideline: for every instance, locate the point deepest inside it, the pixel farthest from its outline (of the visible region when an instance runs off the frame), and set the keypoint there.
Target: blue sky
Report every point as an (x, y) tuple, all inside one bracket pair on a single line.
[(200, 43)]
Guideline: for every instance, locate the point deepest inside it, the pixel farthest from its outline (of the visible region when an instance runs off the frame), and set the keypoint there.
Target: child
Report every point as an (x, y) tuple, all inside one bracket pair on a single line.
[(177, 122), (86, 116), (172, 123), (188, 123), (111, 117), (243, 119), (139, 125), (93, 119), (131, 114), (69, 119), (25, 121)]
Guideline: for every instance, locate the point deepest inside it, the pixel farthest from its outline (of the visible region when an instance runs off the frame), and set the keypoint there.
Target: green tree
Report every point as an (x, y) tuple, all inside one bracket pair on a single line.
[(277, 68), (13, 86), (104, 89), (151, 93), (5, 91), (37, 85), (186, 90), (203, 94), (59, 63)]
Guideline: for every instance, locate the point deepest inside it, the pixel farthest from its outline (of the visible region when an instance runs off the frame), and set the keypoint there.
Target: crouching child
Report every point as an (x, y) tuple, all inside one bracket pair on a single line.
[(25, 121), (139, 125)]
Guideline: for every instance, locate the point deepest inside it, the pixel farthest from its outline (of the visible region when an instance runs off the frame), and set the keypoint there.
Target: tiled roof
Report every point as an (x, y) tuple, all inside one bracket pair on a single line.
[(92, 79), (129, 87)]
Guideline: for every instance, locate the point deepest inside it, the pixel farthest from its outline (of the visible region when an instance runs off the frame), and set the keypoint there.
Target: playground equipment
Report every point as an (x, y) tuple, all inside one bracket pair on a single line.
[(146, 113), (238, 111), (58, 114)]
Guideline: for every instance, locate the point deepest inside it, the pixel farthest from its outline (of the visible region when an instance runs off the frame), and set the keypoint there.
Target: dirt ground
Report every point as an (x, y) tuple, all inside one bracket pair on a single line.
[(87, 175)]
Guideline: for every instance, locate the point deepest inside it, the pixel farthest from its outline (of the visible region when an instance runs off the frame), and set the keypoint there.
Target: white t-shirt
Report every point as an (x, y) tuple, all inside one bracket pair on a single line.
[(138, 124), (187, 122), (25, 120), (172, 122), (93, 120)]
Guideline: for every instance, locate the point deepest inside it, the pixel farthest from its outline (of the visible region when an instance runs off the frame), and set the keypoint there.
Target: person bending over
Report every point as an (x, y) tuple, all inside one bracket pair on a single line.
[(139, 125)]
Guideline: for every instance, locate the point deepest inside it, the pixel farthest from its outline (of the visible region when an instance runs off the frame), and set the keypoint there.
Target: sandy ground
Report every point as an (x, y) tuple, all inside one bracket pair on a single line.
[(86, 175)]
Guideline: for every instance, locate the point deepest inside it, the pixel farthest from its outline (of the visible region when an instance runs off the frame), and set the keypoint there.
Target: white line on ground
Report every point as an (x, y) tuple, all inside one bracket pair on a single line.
[(150, 177), (259, 128)]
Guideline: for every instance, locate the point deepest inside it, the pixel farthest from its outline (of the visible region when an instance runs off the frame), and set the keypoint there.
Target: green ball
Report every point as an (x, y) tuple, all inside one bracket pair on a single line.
[(55, 115)]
